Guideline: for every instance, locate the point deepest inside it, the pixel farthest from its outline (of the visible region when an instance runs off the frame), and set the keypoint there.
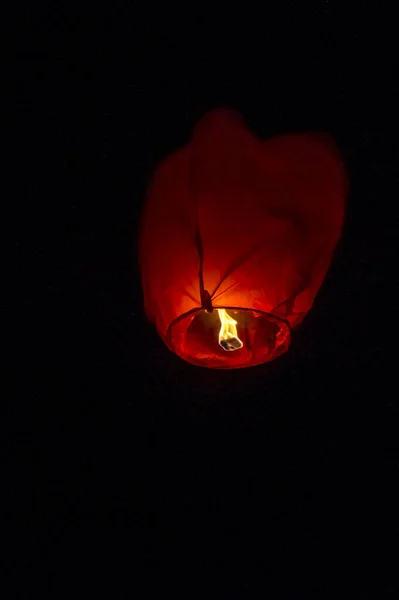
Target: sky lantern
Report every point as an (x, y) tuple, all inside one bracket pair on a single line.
[(237, 235)]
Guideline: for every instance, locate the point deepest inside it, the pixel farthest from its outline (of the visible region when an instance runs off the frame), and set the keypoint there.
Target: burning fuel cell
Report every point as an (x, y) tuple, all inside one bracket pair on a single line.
[(231, 344), (228, 336)]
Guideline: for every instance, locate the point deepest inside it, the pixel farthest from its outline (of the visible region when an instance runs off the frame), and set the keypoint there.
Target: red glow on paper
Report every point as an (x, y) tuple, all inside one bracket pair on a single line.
[(242, 224)]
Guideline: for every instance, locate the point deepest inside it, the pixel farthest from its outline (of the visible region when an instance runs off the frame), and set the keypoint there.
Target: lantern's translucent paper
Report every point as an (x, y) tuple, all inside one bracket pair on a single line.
[(251, 222)]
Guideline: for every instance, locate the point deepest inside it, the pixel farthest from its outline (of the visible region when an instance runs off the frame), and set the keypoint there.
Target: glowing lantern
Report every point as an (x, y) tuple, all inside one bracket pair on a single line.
[(244, 226)]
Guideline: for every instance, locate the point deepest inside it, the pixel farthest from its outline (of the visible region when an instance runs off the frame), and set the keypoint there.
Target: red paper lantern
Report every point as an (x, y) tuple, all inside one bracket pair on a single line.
[(237, 236)]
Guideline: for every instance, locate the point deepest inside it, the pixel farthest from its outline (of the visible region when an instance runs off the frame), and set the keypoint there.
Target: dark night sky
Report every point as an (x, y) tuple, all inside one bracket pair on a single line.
[(120, 446)]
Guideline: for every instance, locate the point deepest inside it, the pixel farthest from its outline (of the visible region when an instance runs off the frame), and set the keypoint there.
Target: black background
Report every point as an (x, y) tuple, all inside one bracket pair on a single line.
[(130, 465)]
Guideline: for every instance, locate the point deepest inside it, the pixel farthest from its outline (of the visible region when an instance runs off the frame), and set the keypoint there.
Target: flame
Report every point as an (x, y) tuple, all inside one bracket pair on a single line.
[(228, 337)]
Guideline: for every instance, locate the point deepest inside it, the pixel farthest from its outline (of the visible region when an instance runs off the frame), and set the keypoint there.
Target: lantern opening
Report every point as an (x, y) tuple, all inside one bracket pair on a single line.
[(259, 337), (228, 336)]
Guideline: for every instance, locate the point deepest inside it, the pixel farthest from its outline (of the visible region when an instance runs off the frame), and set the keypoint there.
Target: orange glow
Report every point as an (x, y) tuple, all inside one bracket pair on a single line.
[(238, 223), (228, 336)]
